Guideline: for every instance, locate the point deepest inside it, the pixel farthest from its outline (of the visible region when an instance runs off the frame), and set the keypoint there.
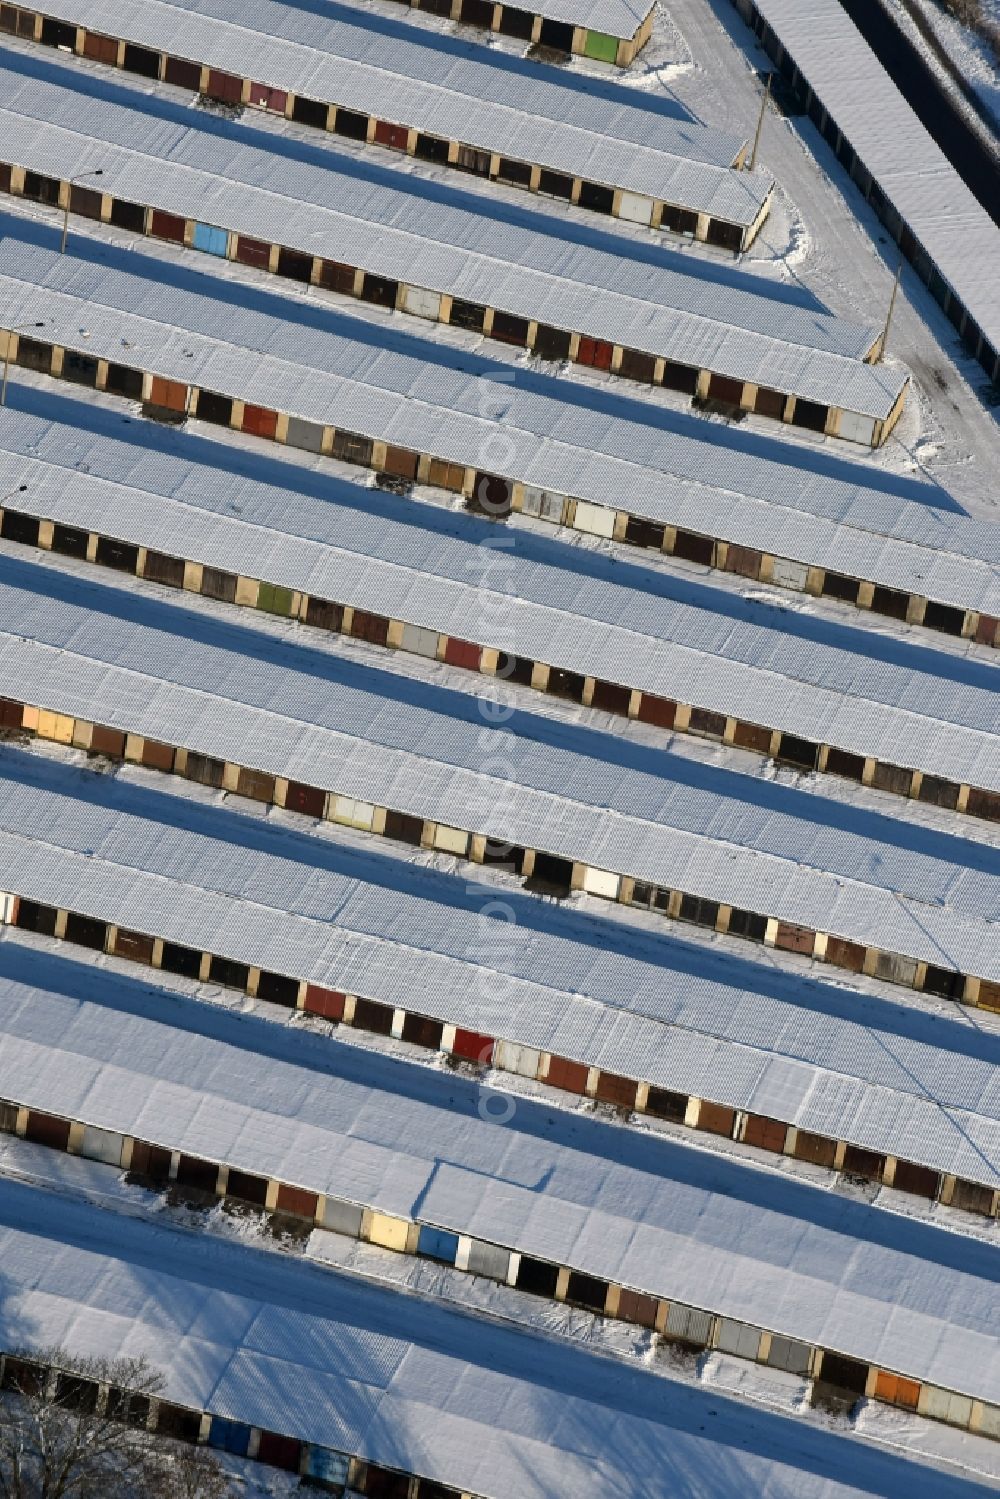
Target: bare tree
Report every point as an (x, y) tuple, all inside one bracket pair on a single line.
[(191, 1473), (80, 1433)]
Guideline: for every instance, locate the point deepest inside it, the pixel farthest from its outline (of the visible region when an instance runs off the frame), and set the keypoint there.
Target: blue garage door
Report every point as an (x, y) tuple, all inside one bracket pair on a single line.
[(213, 241)]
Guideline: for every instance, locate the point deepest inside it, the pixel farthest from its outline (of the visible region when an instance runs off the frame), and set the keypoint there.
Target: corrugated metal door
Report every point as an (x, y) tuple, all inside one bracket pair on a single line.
[(211, 240)]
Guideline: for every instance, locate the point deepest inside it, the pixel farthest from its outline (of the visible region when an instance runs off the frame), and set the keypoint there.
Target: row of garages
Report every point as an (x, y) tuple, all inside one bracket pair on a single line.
[(319, 737), (943, 230), (667, 174), (560, 672), (497, 495), (494, 495), (553, 872), (659, 325), (663, 1009), (193, 359), (307, 518), (626, 1095), (476, 1050), (22, 1373), (692, 1327), (137, 1066), (613, 32), (294, 1338), (840, 385), (420, 1013), (517, 330)]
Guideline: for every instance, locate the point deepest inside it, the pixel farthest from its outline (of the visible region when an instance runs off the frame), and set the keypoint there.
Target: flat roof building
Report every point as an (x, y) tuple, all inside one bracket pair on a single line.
[(336, 1136), (519, 277), (427, 95), (939, 224), (665, 1026), (243, 1336)]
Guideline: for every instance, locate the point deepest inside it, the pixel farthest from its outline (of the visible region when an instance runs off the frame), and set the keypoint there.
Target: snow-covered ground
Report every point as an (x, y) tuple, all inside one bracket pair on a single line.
[(75, 1180), (974, 56)]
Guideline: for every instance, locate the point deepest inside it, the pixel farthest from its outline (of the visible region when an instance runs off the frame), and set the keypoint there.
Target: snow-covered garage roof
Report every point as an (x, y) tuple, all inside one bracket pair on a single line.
[(911, 169), (402, 1380), (405, 389), (426, 81), (640, 1211), (614, 17), (57, 121), (199, 332), (896, 1078), (681, 639), (122, 481), (151, 668), (903, 705)]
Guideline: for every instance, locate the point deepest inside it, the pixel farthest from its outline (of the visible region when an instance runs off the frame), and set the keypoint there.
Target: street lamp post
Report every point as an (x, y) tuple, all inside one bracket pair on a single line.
[(760, 122), (888, 316), (6, 358), (99, 172)]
